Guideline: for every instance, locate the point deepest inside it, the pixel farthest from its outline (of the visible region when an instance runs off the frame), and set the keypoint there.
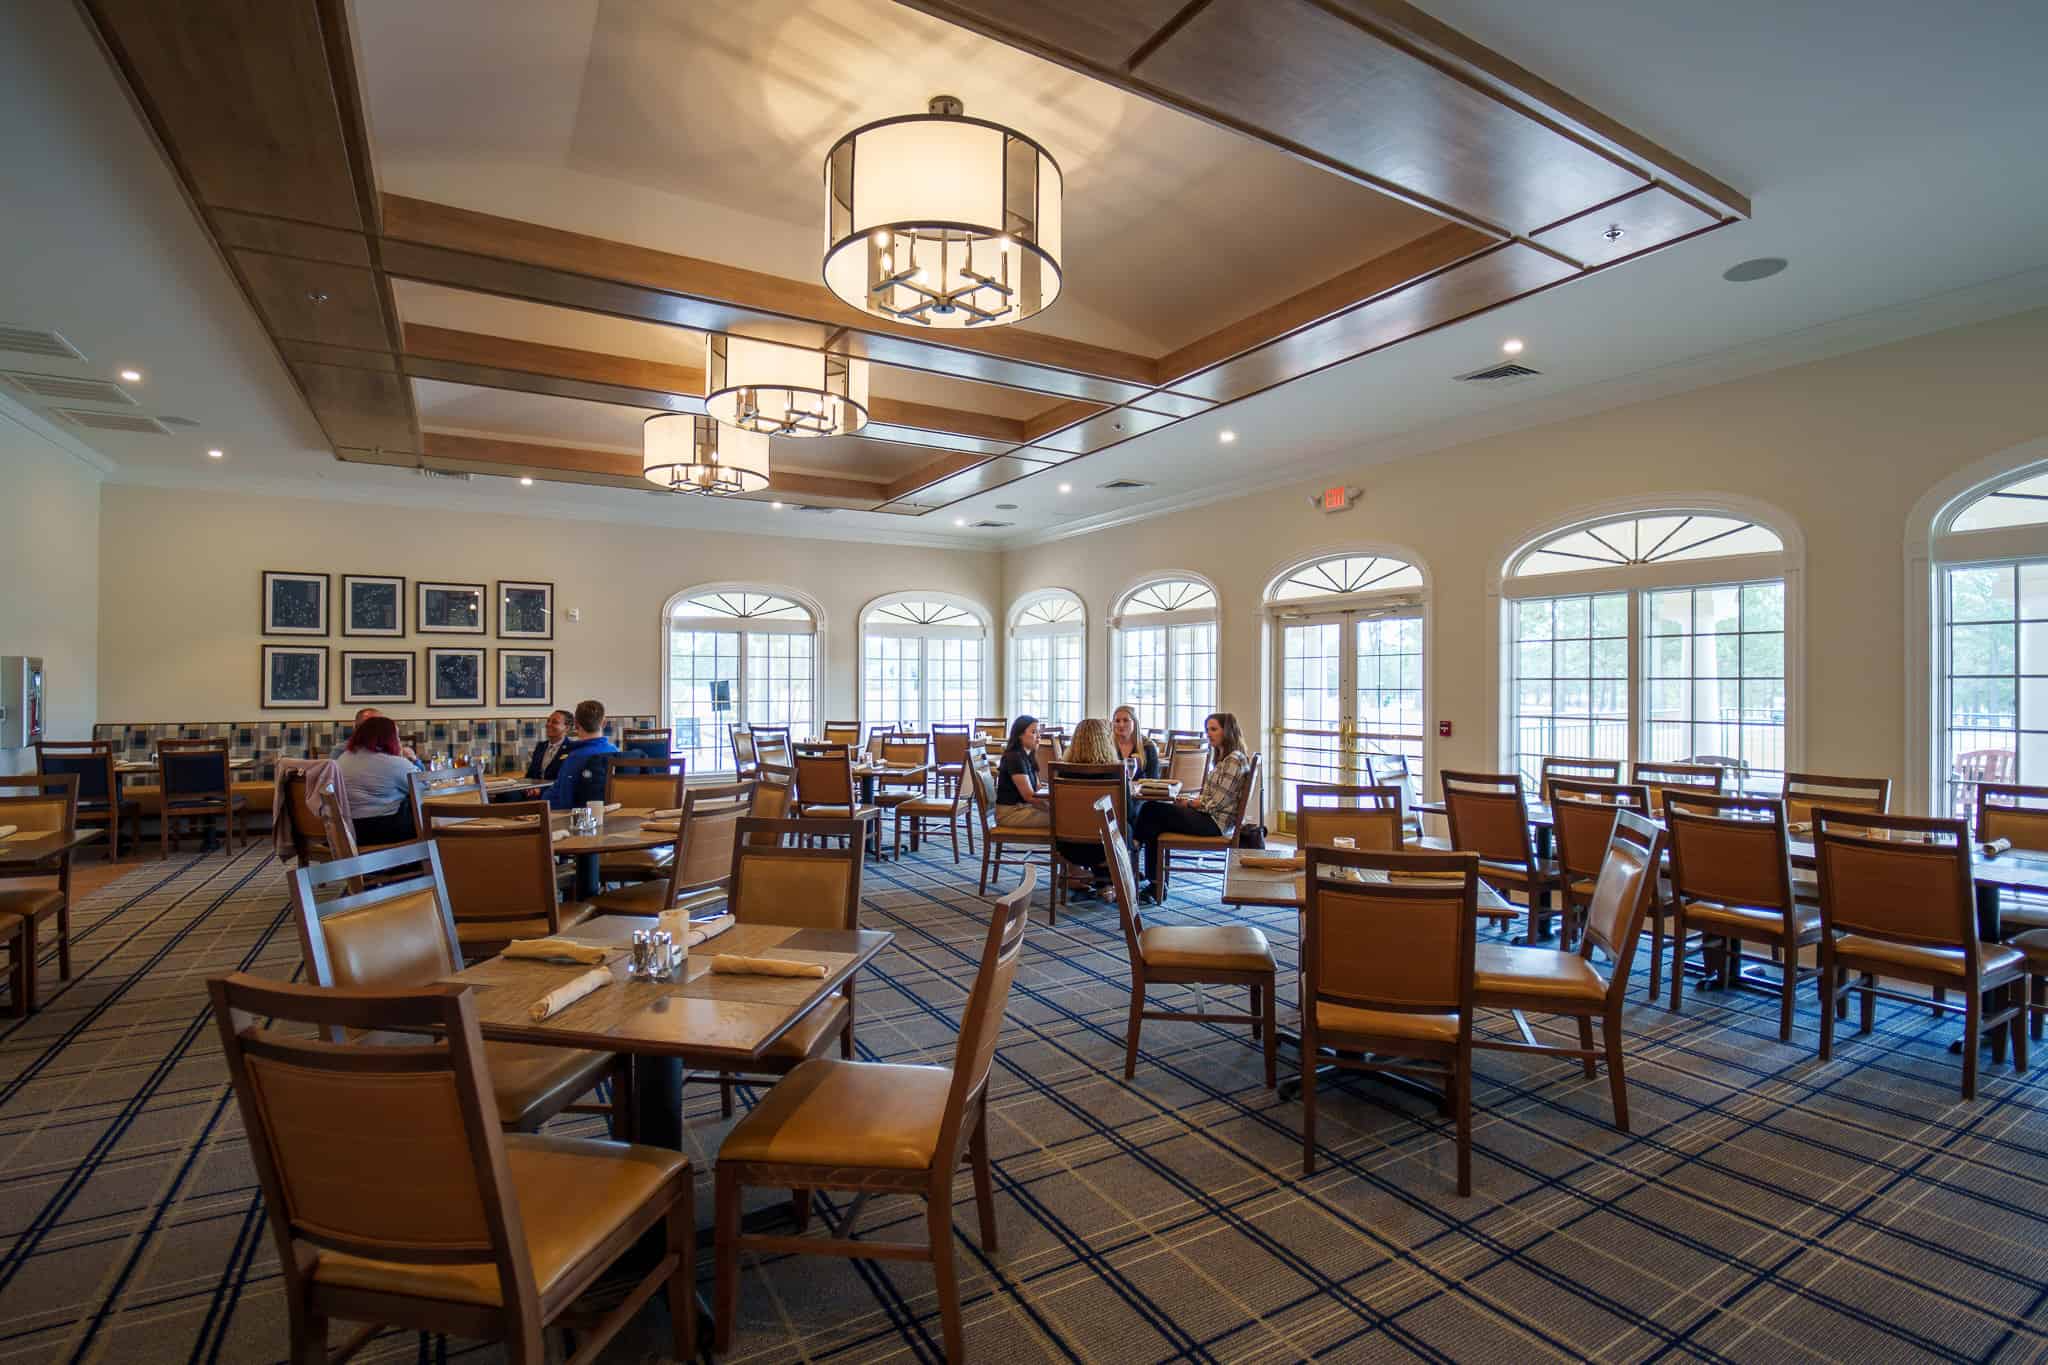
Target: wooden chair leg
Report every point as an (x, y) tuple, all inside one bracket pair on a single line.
[(938, 1215), (1974, 1009), (725, 1289), (2017, 997), (725, 1096), (2001, 1033), (984, 1179), (1677, 961), (1867, 1018), (1136, 1022), (1464, 1093), (954, 826), (682, 1285), (1308, 1105), (1586, 1042), (309, 1338), (2040, 1005), (1617, 1083), (1272, 1033), (1828, 981), (64, 939), (1656, 951), (1788, 967)]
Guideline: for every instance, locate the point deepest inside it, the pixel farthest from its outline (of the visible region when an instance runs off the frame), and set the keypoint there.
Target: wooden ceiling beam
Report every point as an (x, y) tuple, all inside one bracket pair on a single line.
[(539, 460)]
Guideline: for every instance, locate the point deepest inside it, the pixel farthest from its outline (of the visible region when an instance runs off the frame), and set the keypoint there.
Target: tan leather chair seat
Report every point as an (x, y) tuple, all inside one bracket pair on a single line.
[(822, 1022), (1545, 867), (1583, 886), (2012, 917), (638, 862), (641, 898), (839, 812), (1509, 970), (572, 1192), (30, 902), (832, 1113), (925, 805), (498, 931), (532, 1081), (2033, 945), (1423, 1028), (1193, 947), (1741, 919), (1992, 957)]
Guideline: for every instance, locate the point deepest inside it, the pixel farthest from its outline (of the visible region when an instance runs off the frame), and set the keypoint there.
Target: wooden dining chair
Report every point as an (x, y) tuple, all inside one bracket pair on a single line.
[(771, 743), (825, 790), (744, 760), (1658, 778), (381, 922), (1394, 770), (951, 806), (1187, 760), (197, 784), (1804, 791), (638, 783), (998, 841), (774, 794), (1207, 854), (893, 789), (647, 741), (878, 735), (872, 1128), (949, 755), (1368, 816), (697, 865), (1559, 981), (499, 871), (992, 727), (1489, 816), (1388, 975), (1582, 819), (842, 732), (1898, 900), (2019, 815), (31, 896), (1051, 749), (100, 801), (784, 873), (1606, 770), (396, 1201), (1187, 955), (1072, 790), (444, 786), (1731, 881)]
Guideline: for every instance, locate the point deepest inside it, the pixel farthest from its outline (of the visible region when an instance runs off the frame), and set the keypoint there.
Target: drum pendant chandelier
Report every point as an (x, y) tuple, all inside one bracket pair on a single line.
[(777, 390), (942, 220), (685, 453)]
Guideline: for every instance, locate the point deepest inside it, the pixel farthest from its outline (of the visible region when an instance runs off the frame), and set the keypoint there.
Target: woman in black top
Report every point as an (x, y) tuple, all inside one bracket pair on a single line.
[(1130, 744), (1018, 804)]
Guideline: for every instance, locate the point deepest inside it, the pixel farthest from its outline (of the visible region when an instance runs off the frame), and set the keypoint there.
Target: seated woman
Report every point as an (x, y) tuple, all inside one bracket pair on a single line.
[(1093, 745), (378, 778), (1018, 804), (1212, 811), (1130, 744)]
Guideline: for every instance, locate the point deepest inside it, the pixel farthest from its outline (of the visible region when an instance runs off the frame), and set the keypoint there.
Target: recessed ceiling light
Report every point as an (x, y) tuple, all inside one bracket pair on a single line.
[(1066, 488), (131, 376), (1512, 346), (525, 482), (959, 521), (215, 454), (1760, 268), (776, 505), (1226, 436)]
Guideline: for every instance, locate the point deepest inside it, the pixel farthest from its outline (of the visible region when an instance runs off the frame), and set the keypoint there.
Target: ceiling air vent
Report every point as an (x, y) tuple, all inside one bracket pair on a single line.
[(1119, 485), (70, 390), (992, 525), (31, 341), (822, 511), (455, 474), (112, 421), (1509, 373)]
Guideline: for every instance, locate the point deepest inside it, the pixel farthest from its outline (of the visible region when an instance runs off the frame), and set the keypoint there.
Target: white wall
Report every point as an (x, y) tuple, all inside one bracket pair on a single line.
[(181, 619), (49, 577), (1844, 447)]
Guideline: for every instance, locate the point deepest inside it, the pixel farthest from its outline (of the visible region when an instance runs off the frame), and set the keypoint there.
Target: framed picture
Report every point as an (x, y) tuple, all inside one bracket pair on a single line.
[(372, 605), (451, 609), (373, 677), (526, 611), (294, 603), (526, 677), (295, 677), (455, 677)]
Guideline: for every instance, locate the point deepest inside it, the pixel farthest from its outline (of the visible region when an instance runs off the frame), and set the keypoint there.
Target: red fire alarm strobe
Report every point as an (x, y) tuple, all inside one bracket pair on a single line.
[(1443, 729)]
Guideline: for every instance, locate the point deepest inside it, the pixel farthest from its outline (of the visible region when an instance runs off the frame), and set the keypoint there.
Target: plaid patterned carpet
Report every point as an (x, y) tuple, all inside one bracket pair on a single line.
[(1768, 1207)]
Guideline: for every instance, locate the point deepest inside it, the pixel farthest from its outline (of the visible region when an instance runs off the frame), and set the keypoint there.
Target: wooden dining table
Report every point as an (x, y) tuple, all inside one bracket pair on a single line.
[(623, 831), (28, 853)]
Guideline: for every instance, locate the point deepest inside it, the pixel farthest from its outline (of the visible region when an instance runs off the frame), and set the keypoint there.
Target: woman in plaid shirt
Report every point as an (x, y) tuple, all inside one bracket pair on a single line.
[(1212, 811)]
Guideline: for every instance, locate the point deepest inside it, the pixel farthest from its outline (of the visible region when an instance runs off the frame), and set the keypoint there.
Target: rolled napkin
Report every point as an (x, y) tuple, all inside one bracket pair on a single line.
[(611, 806), (1270, 862), (1426, 876), (497, 822), (563, 996), (1800, 828), (669, 826), (1152, 788), (665, 813), (732, 964), (555, 950), (7, 830), (690, 933), (555, 834), (1993, 847)]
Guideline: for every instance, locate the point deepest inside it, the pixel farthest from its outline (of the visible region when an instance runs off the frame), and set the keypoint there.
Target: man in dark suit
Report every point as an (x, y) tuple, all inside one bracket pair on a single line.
[(547, 755)]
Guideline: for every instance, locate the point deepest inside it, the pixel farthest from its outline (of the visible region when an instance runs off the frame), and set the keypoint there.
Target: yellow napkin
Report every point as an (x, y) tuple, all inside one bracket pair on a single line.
[(555, 950), (1801, 829), (677, 922), (1426, 876), (670, 813), (1270, 862), (1994, 847), (661, 826), (731, 964), (563, 996), (7, 830), (611, 806)]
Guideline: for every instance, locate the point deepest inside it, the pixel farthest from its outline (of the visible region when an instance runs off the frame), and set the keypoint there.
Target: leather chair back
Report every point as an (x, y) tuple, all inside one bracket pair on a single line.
[(841, 732), (1489, 816), (1325, 812), (444, 787), (398, 936), (1073, 789), (1576, 770), (824, 775), (193, 770), (1729, 850), (1896, 877), (1623, 892), (776, 882), (1659, 778), (1402, 946), (981, 1022), (1187, 764), (92, 760), (949, 745), (2010, 812), (1582, 817), (1805, 791), (499, 869), (40, 802), (707, 834), (1121, 875), (646, 783)]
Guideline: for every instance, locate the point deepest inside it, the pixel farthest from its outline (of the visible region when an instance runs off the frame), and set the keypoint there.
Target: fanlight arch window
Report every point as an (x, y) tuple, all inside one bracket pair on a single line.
[(1991, 642), (1048, 657), (924, 659), (737, 655), (1661, 635), (1166, 652), (1346, 574)]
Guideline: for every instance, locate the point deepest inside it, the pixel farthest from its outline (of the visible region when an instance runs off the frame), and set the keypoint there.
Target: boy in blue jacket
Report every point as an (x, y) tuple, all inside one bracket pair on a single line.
[(586, 761)]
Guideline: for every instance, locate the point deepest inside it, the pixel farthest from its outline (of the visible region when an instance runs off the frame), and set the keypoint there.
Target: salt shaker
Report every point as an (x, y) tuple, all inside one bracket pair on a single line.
[(664, 953), (643, 953)]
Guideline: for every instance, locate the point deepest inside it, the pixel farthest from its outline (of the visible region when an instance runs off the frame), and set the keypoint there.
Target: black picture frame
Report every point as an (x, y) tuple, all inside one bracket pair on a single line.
[(376, 665), (442, 611), (449, 682), (373, 605), (293, 678), (296, 603), (525, 687), (526, 610)]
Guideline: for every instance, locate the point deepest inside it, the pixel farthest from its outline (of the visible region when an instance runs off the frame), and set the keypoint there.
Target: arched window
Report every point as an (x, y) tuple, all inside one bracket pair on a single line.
[(1658, 636), (1048, 656), (1166, 653), (1991, 640), (924, 658), (738, 654), (1348, 672)]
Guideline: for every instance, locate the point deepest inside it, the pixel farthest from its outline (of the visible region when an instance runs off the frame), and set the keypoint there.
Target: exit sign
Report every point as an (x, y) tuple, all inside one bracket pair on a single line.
[(1335, 499)]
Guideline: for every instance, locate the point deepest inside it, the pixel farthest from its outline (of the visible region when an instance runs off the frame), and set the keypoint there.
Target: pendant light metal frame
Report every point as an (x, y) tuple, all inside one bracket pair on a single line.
[(838, 401), (706, 472)]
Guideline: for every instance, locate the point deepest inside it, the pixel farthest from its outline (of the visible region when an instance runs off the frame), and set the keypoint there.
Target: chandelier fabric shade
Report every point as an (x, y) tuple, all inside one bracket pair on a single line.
[(775, 390), (685, 453), (942, 220)]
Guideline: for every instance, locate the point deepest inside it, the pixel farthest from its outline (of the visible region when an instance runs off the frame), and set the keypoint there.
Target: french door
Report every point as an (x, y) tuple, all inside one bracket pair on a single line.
[(1350, 693)]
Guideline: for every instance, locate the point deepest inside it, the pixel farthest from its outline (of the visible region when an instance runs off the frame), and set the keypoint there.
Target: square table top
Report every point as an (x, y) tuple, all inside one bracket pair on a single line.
[(25, 847), (1287, 889), (700, 1013)]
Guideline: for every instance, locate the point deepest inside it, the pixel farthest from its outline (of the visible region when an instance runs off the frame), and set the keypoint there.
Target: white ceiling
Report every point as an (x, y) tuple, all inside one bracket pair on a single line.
[(1893, 159)]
